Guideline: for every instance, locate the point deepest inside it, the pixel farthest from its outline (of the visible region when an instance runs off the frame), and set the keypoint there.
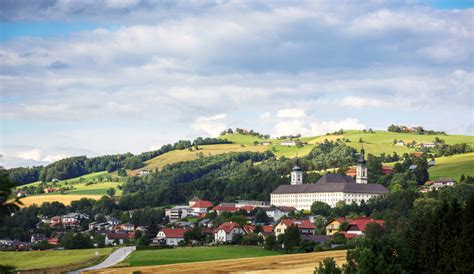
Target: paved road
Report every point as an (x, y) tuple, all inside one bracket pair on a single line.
[(116, 257)]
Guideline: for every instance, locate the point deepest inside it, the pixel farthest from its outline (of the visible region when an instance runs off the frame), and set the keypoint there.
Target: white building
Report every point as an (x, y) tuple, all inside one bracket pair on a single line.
[(178, 212), (330, 189), (226, 231), (440, 183), (288, 143), (171, 236)]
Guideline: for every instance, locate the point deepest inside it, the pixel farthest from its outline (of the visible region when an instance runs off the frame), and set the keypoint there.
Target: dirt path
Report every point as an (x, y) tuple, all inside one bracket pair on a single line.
[(296, 263)]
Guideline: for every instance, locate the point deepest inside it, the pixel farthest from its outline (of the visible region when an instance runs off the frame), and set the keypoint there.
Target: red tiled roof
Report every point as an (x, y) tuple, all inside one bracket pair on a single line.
[(174, 232), (53, 241), (267, 228), (362, 222), (247, 208), (117, 235), (301, 224), (225, 208), (387, 170), (202, 204), (249, 228), (228, 226), (286, 208), (349, 235)]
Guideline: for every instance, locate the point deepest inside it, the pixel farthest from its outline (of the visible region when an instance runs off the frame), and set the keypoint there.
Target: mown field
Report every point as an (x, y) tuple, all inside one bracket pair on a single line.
[(177, 156), (194, 254), (101, 182), (29, 260), (453, 166), (65, 199), (280, 264), (382, 141)]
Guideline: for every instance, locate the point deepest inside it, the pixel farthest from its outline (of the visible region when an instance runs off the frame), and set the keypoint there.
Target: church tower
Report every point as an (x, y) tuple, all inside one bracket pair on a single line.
[(361, 177), (296, 175)]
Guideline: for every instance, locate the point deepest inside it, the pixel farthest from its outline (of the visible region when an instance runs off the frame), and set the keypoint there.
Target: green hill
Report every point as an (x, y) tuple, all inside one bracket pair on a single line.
[(453, 166)]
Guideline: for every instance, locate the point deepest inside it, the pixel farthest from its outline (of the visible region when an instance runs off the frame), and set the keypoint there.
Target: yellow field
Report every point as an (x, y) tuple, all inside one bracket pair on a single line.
[(65, 199), (177, 156), (296, 263)]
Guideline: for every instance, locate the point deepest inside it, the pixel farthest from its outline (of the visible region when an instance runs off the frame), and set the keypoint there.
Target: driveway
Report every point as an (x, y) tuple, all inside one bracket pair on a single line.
[(114, 258)]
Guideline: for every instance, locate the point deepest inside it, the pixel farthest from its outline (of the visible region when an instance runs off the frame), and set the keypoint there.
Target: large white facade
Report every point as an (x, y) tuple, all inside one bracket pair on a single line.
[(305, 200), (330, 189)]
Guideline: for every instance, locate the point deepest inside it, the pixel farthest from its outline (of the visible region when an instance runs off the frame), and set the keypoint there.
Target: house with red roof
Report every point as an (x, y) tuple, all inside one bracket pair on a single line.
[(223, 207), (201, 206), (170, 236), (113, 238), (226, 231), (267, 230), (358, 226), (332, 226), (304, 226)]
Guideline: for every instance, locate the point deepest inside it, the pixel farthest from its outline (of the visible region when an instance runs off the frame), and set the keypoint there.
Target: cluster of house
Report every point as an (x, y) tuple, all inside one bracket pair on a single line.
[(228, 230), (437, 184)]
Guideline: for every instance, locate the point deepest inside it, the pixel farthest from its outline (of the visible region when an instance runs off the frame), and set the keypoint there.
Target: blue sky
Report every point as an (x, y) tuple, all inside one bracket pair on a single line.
[(111, 76)]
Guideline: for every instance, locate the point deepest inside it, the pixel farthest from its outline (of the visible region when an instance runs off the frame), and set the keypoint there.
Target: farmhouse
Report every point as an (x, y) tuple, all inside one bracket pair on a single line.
[(330, 189), (170, 236), (304, 226), (288, 143), (358, 226), (443, 182), (73, 219), (332, 226), (226, 231), (224, 207), (178, 212), (201, 206)]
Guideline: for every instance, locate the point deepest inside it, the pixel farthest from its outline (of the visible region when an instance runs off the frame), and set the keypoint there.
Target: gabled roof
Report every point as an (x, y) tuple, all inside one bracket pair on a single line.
[(224, 208), (228, 227), (267, 228), (202, 204), (249, 228), (247, 208), (361, 223), (286, 208), (301, 224), (117, 235), (174, 232)]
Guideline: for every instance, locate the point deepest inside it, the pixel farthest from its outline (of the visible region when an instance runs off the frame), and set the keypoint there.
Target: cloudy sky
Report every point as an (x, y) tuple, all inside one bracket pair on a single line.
[(102, 77)]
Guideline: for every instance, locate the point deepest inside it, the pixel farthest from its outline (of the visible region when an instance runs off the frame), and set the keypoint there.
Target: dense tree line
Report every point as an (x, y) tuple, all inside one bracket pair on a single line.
[(422, 234), (415, 130), (81, 165)]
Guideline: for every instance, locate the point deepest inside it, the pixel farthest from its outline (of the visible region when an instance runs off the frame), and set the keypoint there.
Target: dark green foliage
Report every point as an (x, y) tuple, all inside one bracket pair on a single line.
[(23, 175), (271, 243), (320, 208), (6, 187), (76, 240), (330, 155), (261, 217), (194, 235), (237, 239), (43, 245), (414, 130), (252, 239), (291, 238), (328, 266), (111, 192)]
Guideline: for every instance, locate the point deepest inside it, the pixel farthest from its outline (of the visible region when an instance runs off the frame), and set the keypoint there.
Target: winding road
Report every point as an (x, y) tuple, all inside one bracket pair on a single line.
[(114, 258)]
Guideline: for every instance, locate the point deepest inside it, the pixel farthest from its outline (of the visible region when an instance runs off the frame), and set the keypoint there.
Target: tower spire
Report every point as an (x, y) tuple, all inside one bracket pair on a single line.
[(361, 177)]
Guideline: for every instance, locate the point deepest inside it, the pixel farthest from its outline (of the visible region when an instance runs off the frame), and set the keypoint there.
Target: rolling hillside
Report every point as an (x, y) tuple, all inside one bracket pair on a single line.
[(453, 166), (177, 156)]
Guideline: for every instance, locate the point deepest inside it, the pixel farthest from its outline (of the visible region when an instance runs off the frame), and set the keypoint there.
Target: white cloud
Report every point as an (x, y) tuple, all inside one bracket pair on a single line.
[(34, 154), (361, 102), (291, 113), (55, 157), (291, 127), (320, 128), (265, 116), (211, 125)]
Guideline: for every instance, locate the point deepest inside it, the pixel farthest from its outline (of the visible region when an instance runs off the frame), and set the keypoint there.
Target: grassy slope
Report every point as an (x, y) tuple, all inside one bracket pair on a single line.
[(49, 258), (453, 166), (100, 188), (194, 254), (176, 156), (65, 199), (382, 141)]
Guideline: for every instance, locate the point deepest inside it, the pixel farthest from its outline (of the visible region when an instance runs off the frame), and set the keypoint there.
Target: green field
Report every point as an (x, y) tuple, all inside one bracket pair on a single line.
[(382, 141), (98, 188), (51, 258), (453, 166), (177, 156), (194, 254)]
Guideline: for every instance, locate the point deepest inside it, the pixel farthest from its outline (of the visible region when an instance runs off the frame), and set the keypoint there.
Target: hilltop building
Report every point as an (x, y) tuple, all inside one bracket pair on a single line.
[(330, 189)]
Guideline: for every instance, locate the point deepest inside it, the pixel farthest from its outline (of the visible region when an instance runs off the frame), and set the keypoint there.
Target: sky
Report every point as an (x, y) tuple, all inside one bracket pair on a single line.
[(114, 76)]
